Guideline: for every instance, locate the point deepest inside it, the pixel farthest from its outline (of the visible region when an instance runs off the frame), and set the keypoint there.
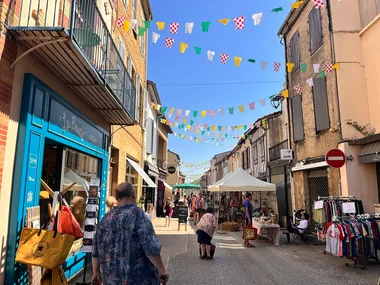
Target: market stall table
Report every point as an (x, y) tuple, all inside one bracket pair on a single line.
[(269, 231)]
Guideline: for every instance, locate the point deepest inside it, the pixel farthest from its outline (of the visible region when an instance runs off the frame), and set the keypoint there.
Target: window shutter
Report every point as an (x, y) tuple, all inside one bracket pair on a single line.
[(321, 108), (137, 112), (149, 136), (295, 51), (315, 30), (145, 114), (129, 67), (298, 131), (248, 157), (155, 139)]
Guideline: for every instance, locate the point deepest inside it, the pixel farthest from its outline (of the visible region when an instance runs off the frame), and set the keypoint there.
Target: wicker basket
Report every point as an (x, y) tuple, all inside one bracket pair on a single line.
[(230, 227)]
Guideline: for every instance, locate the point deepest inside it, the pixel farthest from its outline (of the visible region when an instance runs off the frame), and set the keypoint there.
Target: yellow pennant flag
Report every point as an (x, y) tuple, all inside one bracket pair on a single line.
[(197, 131), (237, 60), (172, 110), (213, 127), (188, 127), (203, 113), (290, 66), (198, 140), (243, 137), (264, 123), (164, 121), (224, 21), (240, 127), (285, 93), (336, 66), (161, 25), (297, 4), (183, 136), (241, 108), (127, 25), (182, 47), (184, 120)]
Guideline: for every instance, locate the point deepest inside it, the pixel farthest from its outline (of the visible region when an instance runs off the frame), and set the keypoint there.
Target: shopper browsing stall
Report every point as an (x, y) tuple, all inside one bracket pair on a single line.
[(248, 215)]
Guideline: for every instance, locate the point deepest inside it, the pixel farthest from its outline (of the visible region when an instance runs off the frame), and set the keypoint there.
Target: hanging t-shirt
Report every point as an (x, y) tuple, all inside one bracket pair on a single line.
[(334, 237)]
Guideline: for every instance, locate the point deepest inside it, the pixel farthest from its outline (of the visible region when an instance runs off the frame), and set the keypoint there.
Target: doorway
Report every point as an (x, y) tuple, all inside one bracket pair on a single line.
[(318, 186)]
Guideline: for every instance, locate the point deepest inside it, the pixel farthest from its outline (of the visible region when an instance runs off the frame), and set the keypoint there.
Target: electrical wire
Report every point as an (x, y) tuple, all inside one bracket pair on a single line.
[(218, 83)]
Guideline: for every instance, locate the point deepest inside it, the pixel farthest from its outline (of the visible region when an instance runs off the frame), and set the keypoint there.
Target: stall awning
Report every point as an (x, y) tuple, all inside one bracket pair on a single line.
[(370, 153), (187, 186), (142, 173), (167, 185)]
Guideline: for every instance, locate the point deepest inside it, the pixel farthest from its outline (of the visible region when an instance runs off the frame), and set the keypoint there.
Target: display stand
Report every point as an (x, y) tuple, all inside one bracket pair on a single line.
[(183, 213), (84, 272)]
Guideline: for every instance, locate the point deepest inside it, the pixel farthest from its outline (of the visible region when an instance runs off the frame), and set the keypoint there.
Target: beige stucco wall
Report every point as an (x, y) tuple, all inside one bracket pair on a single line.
[(172, 179), (359, 179), (313, 145), (30, 65)]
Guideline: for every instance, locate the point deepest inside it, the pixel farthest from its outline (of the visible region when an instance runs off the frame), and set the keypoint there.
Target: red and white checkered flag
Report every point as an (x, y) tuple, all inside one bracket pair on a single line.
[(120, 21), (212, 113), (329, 67), (174, 28), (232, 128), (276, 66), (179, 114), (205, 126), (319, 4), (239, 22), (298, 88), (224, 58), (252, 105), (169, 42)]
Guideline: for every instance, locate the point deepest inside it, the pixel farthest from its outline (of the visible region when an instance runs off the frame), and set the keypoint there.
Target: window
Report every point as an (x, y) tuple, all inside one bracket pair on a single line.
[(149, 136), (126, 4), (295, 51), (315, 30), (142, 40), (121, 48), (297, 118), (254, 153), (145, 114), (262, 149), (131, 175), (135, 3), (369, 9), (246, 159), (321, 108)]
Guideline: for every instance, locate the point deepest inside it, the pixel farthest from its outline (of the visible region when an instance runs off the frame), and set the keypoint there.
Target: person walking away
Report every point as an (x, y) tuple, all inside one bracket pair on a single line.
[(111, 202), (193, 207), (248, 215), (200, 207), (126, 249), (206, 228), (168, 211), (185, 201), (233, 205)]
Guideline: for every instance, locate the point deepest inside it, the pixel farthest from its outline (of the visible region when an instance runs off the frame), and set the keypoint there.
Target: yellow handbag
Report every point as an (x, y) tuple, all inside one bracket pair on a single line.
[(54, 276), (43, 248)]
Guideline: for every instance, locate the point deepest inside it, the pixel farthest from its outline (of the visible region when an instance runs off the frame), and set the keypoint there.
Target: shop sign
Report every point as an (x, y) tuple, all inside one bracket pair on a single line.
[(171, 169), (68, 121), (286, 154), (183, 212), (335, 158)]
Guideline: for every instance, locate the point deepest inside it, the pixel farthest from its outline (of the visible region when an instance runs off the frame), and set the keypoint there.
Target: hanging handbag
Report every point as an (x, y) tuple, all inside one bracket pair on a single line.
[(67, 224), (55, 276), (249, 233), (44, 248)]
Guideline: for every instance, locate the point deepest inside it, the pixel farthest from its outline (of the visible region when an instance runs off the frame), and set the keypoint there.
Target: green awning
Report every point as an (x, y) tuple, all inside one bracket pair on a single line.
[(187, 186)]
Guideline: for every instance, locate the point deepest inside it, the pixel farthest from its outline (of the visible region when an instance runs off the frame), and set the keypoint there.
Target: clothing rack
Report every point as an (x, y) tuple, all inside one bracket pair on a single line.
[(336, 197), (368, 216)]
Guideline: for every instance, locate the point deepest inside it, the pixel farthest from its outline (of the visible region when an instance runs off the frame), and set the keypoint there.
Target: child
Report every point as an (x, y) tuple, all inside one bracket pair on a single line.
[(149, 212), (111, 202)]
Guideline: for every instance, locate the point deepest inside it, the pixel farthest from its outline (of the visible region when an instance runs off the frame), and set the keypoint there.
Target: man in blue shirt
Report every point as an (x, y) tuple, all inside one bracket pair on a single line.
[(248, 215), (126, 249)]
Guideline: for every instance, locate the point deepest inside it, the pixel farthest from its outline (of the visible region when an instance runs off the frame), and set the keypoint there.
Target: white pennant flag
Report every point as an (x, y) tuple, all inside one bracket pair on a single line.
[(257, 18), (187, 112), (316, 67), (210, 55), (155, 37), (310, 81)]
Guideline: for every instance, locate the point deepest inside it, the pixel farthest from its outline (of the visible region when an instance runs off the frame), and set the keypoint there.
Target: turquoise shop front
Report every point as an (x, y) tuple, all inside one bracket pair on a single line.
[(58, 145)]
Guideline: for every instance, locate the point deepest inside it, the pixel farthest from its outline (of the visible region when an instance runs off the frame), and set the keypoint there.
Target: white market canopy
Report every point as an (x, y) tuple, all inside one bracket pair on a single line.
[(241, 181)]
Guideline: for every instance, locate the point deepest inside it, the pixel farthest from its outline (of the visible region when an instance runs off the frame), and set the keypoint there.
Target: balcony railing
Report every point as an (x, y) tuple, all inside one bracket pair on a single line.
[(275, 151), (84, 23)]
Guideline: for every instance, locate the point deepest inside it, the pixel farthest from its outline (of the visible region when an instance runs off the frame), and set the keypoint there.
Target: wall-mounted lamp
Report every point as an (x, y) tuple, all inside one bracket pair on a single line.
[(350, 157), (276, 101)]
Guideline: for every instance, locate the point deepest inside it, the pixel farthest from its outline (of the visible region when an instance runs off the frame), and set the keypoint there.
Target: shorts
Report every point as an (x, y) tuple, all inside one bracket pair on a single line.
[(203, 237)]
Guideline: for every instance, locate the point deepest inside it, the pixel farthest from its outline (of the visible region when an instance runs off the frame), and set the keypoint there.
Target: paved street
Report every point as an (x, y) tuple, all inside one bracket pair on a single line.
[(266, 264)]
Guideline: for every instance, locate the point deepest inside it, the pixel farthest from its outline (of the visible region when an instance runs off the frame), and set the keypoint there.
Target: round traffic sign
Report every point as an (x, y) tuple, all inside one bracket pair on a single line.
[(335, 158)]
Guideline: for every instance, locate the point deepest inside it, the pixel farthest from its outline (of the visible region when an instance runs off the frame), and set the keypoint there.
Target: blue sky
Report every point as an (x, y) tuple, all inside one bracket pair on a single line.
[(170, 69)]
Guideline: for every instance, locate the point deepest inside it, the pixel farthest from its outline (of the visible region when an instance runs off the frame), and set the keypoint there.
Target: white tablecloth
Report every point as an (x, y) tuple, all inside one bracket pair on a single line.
[(269, 231)]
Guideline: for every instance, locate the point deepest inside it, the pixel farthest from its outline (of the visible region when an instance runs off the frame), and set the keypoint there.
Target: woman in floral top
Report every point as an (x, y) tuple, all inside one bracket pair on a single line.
[(206, 228)]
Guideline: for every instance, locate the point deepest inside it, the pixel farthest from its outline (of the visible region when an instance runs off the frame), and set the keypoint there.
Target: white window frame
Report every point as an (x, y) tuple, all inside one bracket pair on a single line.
[(126, 4), (145, 111), (142, 38), (138, 95), (135, 6)]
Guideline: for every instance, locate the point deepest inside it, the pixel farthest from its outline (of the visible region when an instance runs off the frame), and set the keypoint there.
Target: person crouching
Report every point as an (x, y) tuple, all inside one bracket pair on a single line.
[(206, 228)]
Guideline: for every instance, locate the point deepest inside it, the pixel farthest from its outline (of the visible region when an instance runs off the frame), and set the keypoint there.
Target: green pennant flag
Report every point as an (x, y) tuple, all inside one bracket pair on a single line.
[(271, 97), (147, 24), (250, 136), (208, 129), (183, 126), (219, 128), (322, 74), (205, 26), (141, 31), (303, 67), (245, 127), (195, 138), (276, 10), (212, 139), (198, 50), (195, 113), (163, 109), (231, 110), (191, 123), (203, 132), (226, 135), (251, 60)]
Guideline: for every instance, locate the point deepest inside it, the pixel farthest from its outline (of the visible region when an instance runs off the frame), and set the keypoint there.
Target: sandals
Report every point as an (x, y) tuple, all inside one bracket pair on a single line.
[(203, 257), (250, 245)]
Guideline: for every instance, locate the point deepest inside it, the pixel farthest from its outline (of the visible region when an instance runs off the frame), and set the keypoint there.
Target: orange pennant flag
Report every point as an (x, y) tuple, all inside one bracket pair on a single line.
[(224, 21)]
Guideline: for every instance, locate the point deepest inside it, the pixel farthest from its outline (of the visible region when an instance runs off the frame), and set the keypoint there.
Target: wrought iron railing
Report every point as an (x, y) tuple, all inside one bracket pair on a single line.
[(86, 24), (275, 151)]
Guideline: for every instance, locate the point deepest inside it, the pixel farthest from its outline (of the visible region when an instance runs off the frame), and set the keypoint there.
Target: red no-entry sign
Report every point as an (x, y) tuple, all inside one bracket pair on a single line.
[(335, 158)]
